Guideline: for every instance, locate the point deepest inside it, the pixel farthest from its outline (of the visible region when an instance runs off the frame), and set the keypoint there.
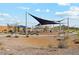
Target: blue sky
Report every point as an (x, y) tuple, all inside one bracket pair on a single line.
[(11, 13)]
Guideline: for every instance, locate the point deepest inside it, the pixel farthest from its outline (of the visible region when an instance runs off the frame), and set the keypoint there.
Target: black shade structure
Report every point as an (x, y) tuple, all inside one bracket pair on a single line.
[(43, 21)]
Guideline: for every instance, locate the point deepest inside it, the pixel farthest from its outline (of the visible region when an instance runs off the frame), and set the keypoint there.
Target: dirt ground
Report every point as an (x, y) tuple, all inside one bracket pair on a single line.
[(36, 45)]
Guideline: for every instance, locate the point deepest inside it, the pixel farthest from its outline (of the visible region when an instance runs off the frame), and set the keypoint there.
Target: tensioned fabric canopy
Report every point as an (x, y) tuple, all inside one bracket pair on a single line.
[(43, 21)]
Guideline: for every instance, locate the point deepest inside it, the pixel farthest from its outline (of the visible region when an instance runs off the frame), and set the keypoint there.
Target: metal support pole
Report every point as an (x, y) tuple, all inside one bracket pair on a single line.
[(53, 27), (26, 24), (68, 26), (60, 26)]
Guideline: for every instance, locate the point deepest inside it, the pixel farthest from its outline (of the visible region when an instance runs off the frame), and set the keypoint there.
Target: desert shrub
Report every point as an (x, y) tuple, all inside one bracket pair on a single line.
[(49, 46), (76, 42), (8, 36), (61, 45), (11, 54), (27, 35), (10, 31), (0, 43), (16, 36), (59, 39)]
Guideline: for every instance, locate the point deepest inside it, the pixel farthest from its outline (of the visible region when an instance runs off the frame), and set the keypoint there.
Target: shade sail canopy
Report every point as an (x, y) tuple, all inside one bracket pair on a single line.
[(43, 21)]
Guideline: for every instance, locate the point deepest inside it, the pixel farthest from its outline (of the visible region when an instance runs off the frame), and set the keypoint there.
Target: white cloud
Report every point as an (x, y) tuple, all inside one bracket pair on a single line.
[(38, 10), (47, 10), (73, 11), (74, 8), (24, 8), (5, 14), (7, 17), (64, 4)]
